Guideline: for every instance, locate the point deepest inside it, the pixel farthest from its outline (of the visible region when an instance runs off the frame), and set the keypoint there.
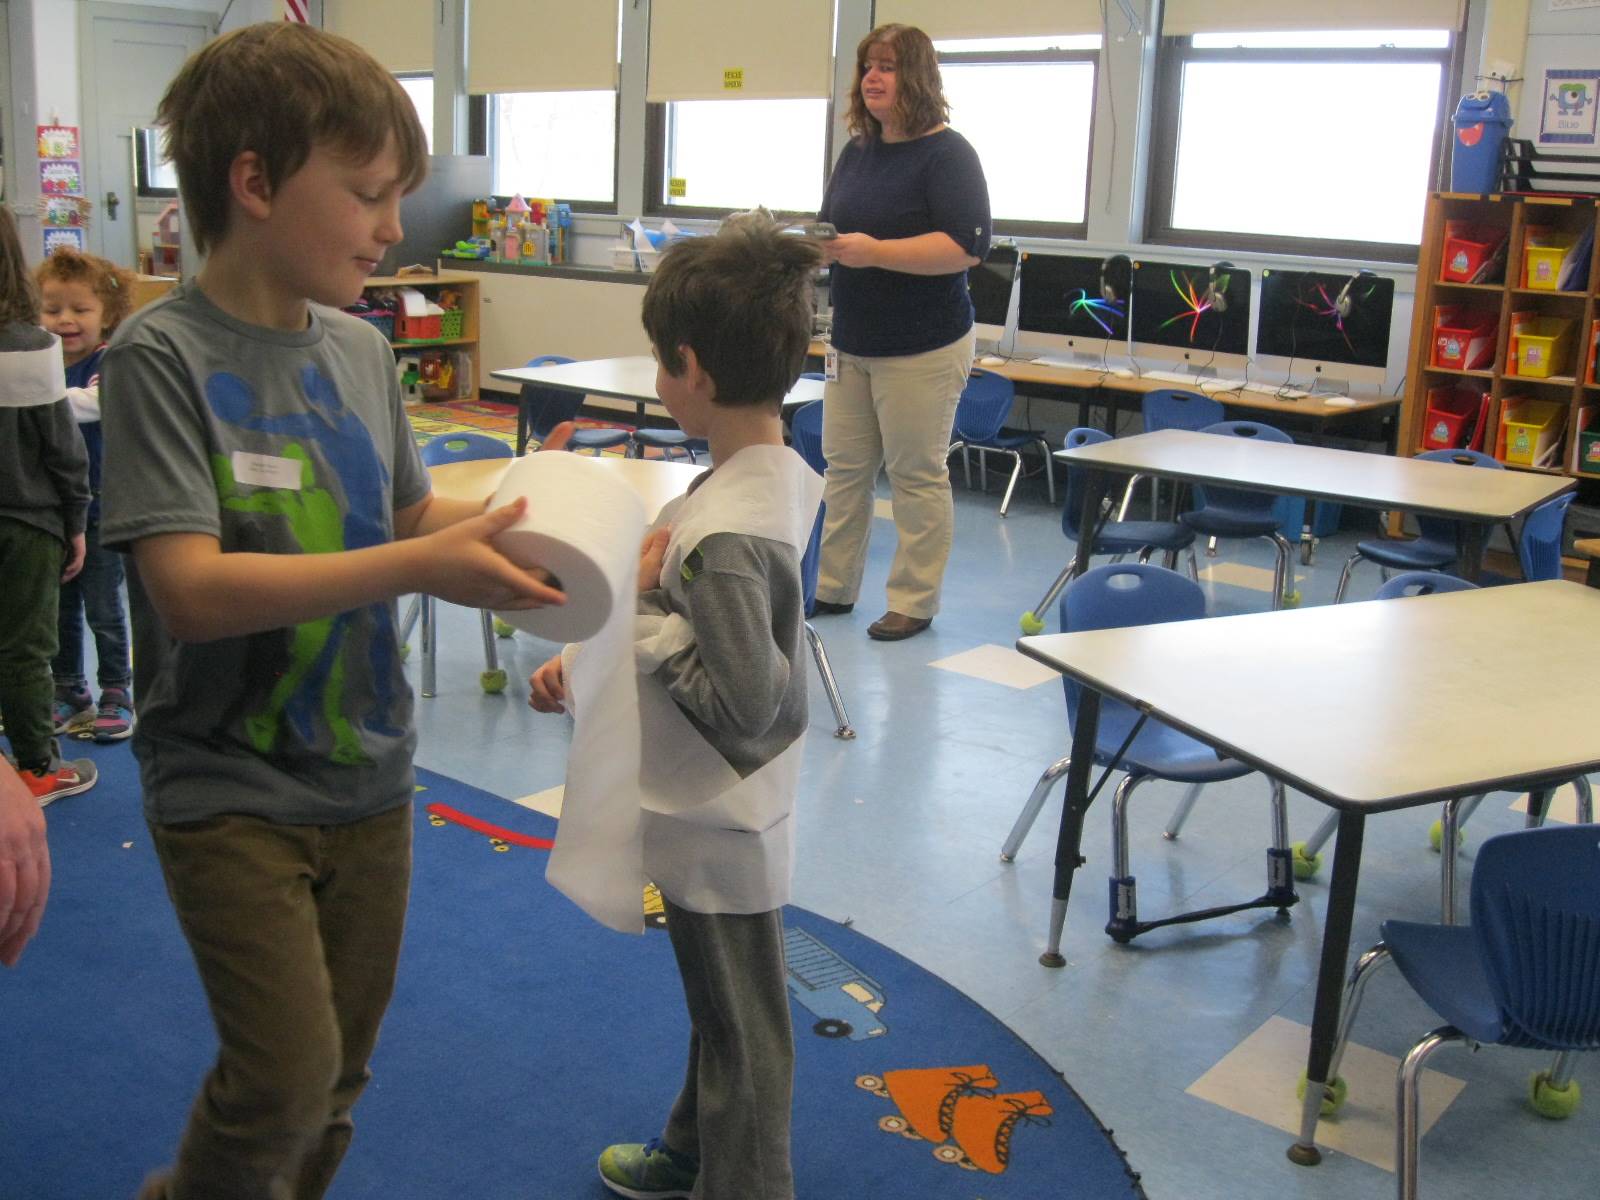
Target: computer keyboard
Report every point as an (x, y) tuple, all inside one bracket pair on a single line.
[(1171, 377), (1276, 389), (1057, 362)]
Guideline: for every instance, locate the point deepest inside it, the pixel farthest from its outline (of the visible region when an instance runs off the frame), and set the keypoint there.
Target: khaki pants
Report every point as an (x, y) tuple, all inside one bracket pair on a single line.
[(296, 932), (893, 412)]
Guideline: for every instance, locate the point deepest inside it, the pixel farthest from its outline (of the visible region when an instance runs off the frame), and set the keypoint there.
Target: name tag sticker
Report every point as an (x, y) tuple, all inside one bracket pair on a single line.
[(266, 470), (830, 365)]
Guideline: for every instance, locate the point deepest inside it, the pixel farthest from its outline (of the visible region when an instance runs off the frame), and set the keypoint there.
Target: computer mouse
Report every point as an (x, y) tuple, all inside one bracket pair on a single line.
[(1339, 402), (991, 360), (1122, 373)]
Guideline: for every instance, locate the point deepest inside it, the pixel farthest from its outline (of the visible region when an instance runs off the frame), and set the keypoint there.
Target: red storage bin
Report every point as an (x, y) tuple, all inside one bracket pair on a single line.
[(1472, 253), (1455, 418), (1463, 339), (417, 329)]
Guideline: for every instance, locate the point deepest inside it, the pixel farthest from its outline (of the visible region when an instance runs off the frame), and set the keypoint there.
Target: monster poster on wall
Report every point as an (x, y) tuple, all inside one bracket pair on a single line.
[(1568, 107)]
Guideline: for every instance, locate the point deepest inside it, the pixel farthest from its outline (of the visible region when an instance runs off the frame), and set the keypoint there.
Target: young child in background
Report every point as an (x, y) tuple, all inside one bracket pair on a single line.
[(722, 681), (44, 503), (260, 469), (83, 298)]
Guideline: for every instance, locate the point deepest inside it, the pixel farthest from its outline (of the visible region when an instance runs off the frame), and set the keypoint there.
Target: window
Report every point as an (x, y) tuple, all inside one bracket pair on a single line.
[(559, 145), (1310, 143), (1002, 93), (420, 89), (715, 156), (156, 174)]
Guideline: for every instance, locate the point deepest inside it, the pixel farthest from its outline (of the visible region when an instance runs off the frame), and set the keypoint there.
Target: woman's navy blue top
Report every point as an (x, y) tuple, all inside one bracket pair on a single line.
[(931, 184)]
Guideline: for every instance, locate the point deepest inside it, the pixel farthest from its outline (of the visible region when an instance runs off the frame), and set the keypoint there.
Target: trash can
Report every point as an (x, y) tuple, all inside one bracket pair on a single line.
[(1482, 121)]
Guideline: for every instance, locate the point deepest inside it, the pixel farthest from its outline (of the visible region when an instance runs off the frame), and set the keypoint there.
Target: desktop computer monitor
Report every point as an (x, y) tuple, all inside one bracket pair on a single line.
[(1325, 324), (1198, 316), (990, 285), (1061, 306)]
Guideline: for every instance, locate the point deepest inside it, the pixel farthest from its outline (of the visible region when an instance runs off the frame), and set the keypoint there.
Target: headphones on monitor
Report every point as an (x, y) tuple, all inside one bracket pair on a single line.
[(1116, 278), (1345, 301), (1217, 277)]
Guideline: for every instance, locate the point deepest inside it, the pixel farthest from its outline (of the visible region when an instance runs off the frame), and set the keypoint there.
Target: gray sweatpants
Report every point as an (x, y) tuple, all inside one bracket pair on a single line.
[(733, 1111)]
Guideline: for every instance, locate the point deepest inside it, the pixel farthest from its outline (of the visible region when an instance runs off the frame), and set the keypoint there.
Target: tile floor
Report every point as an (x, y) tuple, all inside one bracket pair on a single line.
[(1176, 1041)]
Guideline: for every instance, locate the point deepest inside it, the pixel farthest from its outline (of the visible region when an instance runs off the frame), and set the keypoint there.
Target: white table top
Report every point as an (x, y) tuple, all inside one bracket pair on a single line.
[(1368, 480), (632, 378), (656, 481), (1375, 705)]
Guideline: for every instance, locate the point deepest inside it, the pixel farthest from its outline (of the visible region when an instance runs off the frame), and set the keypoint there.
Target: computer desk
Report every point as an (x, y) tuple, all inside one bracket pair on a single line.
[(1393, 701), (1115, 392)]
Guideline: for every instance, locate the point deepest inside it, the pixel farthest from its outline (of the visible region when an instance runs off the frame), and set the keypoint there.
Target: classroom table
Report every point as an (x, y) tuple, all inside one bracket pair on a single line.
[(632, 378), (655, 480), (1475, 497), (1393, 700)]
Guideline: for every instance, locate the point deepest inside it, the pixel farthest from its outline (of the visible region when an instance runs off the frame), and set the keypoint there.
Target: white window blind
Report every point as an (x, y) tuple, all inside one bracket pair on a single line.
[(400, 36), (1183, 17), (951, 19), (541, 46), (736, 50)]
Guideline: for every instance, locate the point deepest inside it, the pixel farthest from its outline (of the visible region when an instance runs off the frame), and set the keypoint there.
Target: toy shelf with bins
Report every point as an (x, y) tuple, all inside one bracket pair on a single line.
[(464, 284), (1566, 219)]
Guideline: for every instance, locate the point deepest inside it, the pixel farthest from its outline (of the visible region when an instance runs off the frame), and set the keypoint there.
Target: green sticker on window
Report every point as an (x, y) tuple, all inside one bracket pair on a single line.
[(677, 187)]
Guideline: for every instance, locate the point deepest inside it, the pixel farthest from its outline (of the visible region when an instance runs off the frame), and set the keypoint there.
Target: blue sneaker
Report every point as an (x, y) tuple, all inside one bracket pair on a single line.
[(648, 1172), (74, 712)]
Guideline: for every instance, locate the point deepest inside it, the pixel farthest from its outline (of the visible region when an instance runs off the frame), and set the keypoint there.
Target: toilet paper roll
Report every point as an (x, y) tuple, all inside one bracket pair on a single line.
[(582, 525)]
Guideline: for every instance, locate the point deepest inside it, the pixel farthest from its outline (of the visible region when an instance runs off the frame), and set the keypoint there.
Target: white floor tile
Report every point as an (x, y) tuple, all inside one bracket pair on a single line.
[(883, 509), (547, 802), (1257, 1079), (1236, 574), (998, 664), (1562, 809)]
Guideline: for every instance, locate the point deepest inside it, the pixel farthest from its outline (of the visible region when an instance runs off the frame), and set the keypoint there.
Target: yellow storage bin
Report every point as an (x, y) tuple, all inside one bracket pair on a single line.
[(1541, 346), (1543, 253), (1530, 432)]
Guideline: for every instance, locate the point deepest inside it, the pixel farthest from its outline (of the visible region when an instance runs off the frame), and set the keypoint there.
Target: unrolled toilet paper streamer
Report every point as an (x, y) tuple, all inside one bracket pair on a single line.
[(32, 377), (582, 525), (585, 525)]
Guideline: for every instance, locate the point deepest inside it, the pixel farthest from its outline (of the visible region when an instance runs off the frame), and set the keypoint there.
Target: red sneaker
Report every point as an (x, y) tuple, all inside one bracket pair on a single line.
[(62, 779)]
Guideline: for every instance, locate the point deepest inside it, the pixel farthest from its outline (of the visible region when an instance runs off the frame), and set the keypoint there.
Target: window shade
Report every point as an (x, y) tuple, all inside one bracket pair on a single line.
[(1183, 17), (949, 19), (400, 36), (736, 50), (541, 46)]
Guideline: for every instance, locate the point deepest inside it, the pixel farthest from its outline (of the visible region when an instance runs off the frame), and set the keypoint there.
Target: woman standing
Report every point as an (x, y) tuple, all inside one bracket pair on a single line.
[(911, 205)]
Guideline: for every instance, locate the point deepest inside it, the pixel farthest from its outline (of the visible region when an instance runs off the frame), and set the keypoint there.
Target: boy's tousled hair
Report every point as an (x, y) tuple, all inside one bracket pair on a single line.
[(111, 284), (742, 300), (19, 298), (280, 89), (919, 103)]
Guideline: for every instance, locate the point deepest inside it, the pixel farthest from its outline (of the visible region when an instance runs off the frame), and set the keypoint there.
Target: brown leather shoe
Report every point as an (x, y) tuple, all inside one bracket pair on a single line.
[(827, 608), (894, 627)]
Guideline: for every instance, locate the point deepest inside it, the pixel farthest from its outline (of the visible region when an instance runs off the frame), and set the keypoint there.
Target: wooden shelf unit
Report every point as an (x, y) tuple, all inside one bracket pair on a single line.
[(1514, 214), (467, 284)]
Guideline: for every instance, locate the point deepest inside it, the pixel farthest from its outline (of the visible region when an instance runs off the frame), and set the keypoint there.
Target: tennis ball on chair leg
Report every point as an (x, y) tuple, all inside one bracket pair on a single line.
[(501, 629), (1436, 836), (1306, 865), (1334, 1094), (493, 682), (1551, 1102), (1031, 624)]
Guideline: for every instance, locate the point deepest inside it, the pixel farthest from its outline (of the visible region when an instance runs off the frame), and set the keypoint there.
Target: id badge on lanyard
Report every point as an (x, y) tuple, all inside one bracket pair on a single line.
[(830, 362)]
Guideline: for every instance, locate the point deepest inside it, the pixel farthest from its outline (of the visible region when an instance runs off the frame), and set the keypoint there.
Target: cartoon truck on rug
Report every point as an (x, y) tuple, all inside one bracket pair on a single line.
[(845, 1001)]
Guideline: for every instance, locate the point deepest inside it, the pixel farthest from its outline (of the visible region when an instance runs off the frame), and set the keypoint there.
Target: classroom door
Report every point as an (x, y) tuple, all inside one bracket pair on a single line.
[(128, 57)]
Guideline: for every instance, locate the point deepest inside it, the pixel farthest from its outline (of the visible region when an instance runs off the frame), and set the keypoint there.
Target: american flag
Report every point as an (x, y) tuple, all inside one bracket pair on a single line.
[(295, 10)]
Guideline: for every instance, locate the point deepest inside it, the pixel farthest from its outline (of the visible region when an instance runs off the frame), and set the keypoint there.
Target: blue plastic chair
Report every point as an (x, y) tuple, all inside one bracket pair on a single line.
[(1539, 543), (436, 452), (669, 441), (1171, 408), (805, 432), (1436, 545), (1116, 538), (1234, 513), (1110, 597), (980, 425), (1525, 973), (541, 409)]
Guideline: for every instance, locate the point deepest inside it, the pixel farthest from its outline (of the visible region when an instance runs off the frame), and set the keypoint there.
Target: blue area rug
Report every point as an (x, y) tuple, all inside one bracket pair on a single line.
[(522, 1039)]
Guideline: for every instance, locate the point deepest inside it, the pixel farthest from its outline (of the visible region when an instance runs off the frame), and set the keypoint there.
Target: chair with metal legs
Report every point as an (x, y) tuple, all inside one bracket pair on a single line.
[(540, 409), (806, 432), (979, 425), (1116, 538), (1436, 545), (449, 448), (1122, 594), (1171, 408), (1525, 972), (1235, 513)]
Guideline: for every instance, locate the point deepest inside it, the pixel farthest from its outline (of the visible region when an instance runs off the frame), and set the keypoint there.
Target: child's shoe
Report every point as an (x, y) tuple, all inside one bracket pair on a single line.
[(60, 779), (115, 719), (648, 1172), (74, 712)]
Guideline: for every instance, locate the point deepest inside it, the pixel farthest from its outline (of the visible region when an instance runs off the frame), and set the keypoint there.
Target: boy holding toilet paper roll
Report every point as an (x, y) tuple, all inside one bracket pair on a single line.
[(720, 657), (260, 469)]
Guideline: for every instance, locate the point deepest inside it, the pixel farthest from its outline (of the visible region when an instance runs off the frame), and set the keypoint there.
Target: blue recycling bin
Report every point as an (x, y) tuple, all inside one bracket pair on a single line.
[(1483, 119)]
